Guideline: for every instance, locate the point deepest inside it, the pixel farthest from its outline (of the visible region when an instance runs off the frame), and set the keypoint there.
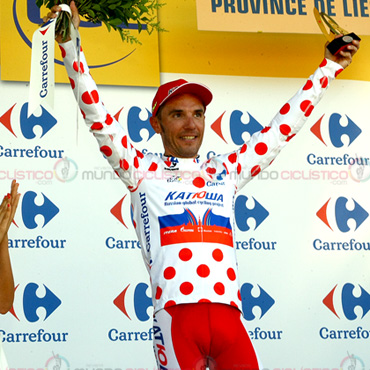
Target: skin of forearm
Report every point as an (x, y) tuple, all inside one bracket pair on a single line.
[(6, 278)]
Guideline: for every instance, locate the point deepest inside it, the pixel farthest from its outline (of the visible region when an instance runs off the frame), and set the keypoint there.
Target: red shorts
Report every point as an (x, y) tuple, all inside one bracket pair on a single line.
[(194, 336)]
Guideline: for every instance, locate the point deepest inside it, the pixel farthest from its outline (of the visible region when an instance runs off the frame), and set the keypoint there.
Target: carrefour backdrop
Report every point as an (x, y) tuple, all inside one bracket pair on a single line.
[(82, 298)]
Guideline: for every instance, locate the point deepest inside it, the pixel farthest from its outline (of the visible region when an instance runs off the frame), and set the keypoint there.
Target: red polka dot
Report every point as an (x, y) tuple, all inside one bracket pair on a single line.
[(232, 303), (285, 129), (261, 148), (227, 170), (169, 273), (199, 182), (308, 85), (239, 295), (211, 170), (158, 292), (306, 107), (232, 157), (243, 148), (106, 150), (255, 170), (231, 274), (63, 51), (203, 271), (96, 126), (90, 98), (290, 137), (153, 167), (338, 71), (218, 255), (323, 63), (204, 300), (266, 129), (169, 304), (186, 288), (324, 82), (219, 288), (239, 168), (124, 164), (139, 154), (83, 114), (285, 109), (75, 67), (136, 162), (71, 81), (109, 119), (124, 141), (185, 254)]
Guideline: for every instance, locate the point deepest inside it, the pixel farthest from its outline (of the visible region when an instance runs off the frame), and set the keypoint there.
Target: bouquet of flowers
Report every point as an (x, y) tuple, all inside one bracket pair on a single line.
[(114, 14)]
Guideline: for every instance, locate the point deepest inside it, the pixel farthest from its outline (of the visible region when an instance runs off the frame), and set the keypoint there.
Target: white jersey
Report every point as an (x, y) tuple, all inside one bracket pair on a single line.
[(183, 209)]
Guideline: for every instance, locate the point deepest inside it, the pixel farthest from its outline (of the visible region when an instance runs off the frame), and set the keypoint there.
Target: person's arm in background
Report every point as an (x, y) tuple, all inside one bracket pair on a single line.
[(7, 211)]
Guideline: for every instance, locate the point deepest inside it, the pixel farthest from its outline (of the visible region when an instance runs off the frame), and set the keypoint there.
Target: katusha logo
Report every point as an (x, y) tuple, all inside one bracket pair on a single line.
[(34, 205), (35, 297), (348, 301), (335, 129), (41, 120), (243, 213), (239, 123), (263, 300), (134, 301), (337, 214)]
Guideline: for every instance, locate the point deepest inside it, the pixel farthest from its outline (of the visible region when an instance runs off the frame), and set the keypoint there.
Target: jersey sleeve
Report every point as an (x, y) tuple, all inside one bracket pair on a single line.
[(252, 157), (113, 140)]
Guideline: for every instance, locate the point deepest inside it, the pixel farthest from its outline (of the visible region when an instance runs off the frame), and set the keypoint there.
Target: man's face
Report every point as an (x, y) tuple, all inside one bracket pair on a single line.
[(181, 126)]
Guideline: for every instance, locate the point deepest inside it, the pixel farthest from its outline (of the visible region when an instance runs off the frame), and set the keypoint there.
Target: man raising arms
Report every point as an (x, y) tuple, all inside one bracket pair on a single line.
[(185, 224)]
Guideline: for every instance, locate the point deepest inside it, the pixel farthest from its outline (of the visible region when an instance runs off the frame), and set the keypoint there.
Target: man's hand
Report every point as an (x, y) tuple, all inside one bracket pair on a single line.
[(344, 57), (54, 11)]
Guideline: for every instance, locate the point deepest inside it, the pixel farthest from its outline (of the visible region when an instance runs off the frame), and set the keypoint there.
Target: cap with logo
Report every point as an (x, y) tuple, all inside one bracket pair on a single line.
[(177, 87)]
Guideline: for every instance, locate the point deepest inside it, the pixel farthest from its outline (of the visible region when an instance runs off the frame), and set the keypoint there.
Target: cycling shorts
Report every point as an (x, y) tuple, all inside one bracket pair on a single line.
[(200, 335)]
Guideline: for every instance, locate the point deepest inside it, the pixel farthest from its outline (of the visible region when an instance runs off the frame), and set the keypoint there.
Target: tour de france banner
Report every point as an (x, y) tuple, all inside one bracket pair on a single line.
[(280, 16), (112, 61), (82, 292)]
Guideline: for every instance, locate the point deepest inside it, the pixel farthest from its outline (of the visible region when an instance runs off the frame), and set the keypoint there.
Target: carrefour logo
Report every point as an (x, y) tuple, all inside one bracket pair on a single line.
[(243, 213), (134, 302), (36, 304), (336, 214), (35, 297), (33, 206), (263, 300), (16, 123), (347, 301), (45, 121), (30, 209), (136, 126), (335, 130), (239, 123)]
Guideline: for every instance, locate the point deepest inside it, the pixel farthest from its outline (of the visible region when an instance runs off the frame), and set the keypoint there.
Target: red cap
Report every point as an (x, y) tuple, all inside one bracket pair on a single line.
[(177, 87)]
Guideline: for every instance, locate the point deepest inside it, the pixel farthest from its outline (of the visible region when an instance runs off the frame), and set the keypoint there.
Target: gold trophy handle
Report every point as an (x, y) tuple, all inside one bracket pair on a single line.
[(336, 44)]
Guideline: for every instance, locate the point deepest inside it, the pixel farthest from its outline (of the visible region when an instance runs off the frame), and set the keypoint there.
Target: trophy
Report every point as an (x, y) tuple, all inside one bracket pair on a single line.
[(335, 44)]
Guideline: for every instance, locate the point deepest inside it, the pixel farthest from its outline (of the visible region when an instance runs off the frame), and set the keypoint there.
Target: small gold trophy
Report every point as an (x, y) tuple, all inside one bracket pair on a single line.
[(335, 44)]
